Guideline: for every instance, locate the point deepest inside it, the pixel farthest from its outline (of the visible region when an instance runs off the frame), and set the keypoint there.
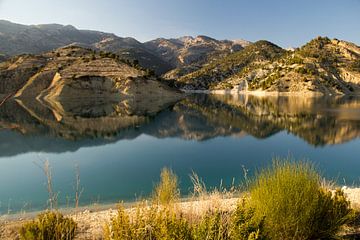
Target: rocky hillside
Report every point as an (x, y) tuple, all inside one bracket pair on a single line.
[(19, 39), (160, 55), (131, 49), (74, 72), (321, 66), (188, 50), (187, 54), (218, 71)]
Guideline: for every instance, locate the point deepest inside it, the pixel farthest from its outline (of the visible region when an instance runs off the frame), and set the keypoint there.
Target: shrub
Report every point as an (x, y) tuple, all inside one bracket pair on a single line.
[(49, 226), (243, 223), (167, 190), (213, 225), (295, 206), (152, 222)]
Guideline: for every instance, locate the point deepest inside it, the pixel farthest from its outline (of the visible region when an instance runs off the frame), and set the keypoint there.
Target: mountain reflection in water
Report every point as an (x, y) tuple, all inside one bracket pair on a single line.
[(70, 125), (121, 146)]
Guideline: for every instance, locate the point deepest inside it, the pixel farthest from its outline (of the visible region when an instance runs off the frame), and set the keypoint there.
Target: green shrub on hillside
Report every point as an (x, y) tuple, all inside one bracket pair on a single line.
[(295, 205), (49, 226)]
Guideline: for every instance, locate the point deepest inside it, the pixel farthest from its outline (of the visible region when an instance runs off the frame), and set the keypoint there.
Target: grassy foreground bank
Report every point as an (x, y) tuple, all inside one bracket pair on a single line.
[(288, 200)]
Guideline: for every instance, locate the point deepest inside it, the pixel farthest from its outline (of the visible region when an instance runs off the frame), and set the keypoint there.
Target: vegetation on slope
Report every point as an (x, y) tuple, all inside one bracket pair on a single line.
[(322, 65), (215, 72)]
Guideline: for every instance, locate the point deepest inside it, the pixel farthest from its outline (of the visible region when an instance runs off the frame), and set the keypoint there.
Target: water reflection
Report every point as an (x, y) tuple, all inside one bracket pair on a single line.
[(121, 146), (66, 126)]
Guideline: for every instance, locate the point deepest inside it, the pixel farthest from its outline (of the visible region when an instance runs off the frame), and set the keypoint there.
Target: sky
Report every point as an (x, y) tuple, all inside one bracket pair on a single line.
[(288, 23)]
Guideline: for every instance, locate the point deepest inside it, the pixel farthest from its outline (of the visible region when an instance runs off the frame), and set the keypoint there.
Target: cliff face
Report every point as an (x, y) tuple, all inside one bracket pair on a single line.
[(322, 66), (74, 72)]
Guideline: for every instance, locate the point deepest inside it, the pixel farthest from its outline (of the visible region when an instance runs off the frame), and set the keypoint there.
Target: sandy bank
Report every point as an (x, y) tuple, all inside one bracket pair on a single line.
[(91, 220), (256, 93)]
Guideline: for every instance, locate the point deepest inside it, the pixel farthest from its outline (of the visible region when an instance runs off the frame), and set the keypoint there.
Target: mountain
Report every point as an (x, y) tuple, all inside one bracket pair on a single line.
[(322, 66), (77, 73), (20, 39), (160, 55), (219, 70), (131, 49), (187, 54)]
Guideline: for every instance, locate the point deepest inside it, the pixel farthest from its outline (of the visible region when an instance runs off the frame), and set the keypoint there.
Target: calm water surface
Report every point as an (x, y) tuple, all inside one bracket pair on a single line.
[(120, 147)]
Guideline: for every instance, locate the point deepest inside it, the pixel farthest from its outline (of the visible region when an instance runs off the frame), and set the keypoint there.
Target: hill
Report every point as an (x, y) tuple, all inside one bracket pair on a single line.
[(159, 55), (74, 72), (188, 54), (321, 66)]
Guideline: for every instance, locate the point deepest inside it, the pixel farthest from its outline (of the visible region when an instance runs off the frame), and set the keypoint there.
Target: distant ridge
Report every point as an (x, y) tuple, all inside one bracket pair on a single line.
[(19, 39)]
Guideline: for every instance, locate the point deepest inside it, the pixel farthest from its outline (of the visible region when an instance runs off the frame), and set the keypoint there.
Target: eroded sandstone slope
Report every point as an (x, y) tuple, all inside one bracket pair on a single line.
[(74, 72)]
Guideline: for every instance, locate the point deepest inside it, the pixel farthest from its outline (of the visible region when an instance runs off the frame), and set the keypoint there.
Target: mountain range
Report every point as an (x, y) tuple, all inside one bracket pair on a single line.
[(159, 55), (322, 66)]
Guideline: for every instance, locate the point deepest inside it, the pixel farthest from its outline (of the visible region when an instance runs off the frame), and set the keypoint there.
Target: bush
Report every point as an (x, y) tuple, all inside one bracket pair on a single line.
[(243, 223), (295, 206), (166, 222), (167, 190), (152, 222), (213, 225), (49, 226)]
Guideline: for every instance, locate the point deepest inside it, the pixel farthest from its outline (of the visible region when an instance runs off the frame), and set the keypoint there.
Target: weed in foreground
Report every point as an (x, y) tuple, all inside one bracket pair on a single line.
[(49, 226), (167, 190), (148, 222)]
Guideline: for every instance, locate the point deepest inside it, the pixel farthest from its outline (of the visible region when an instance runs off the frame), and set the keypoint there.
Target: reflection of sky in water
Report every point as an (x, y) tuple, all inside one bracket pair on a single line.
[(119, 169)]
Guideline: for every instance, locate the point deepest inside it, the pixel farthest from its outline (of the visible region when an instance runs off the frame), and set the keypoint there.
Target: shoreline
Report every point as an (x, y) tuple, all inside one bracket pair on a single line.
[(92, 219), (353, 194), (260, 93)]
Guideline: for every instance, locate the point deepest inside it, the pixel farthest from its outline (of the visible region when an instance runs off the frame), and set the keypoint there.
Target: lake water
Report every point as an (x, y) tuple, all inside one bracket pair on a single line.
[(120, 147)]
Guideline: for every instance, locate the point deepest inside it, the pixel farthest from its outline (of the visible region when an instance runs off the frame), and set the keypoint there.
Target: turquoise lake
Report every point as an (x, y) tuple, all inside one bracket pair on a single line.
[(121, 147)]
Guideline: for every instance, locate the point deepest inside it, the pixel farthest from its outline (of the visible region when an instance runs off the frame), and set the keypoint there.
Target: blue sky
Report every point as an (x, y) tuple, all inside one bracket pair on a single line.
[(286, 23)]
